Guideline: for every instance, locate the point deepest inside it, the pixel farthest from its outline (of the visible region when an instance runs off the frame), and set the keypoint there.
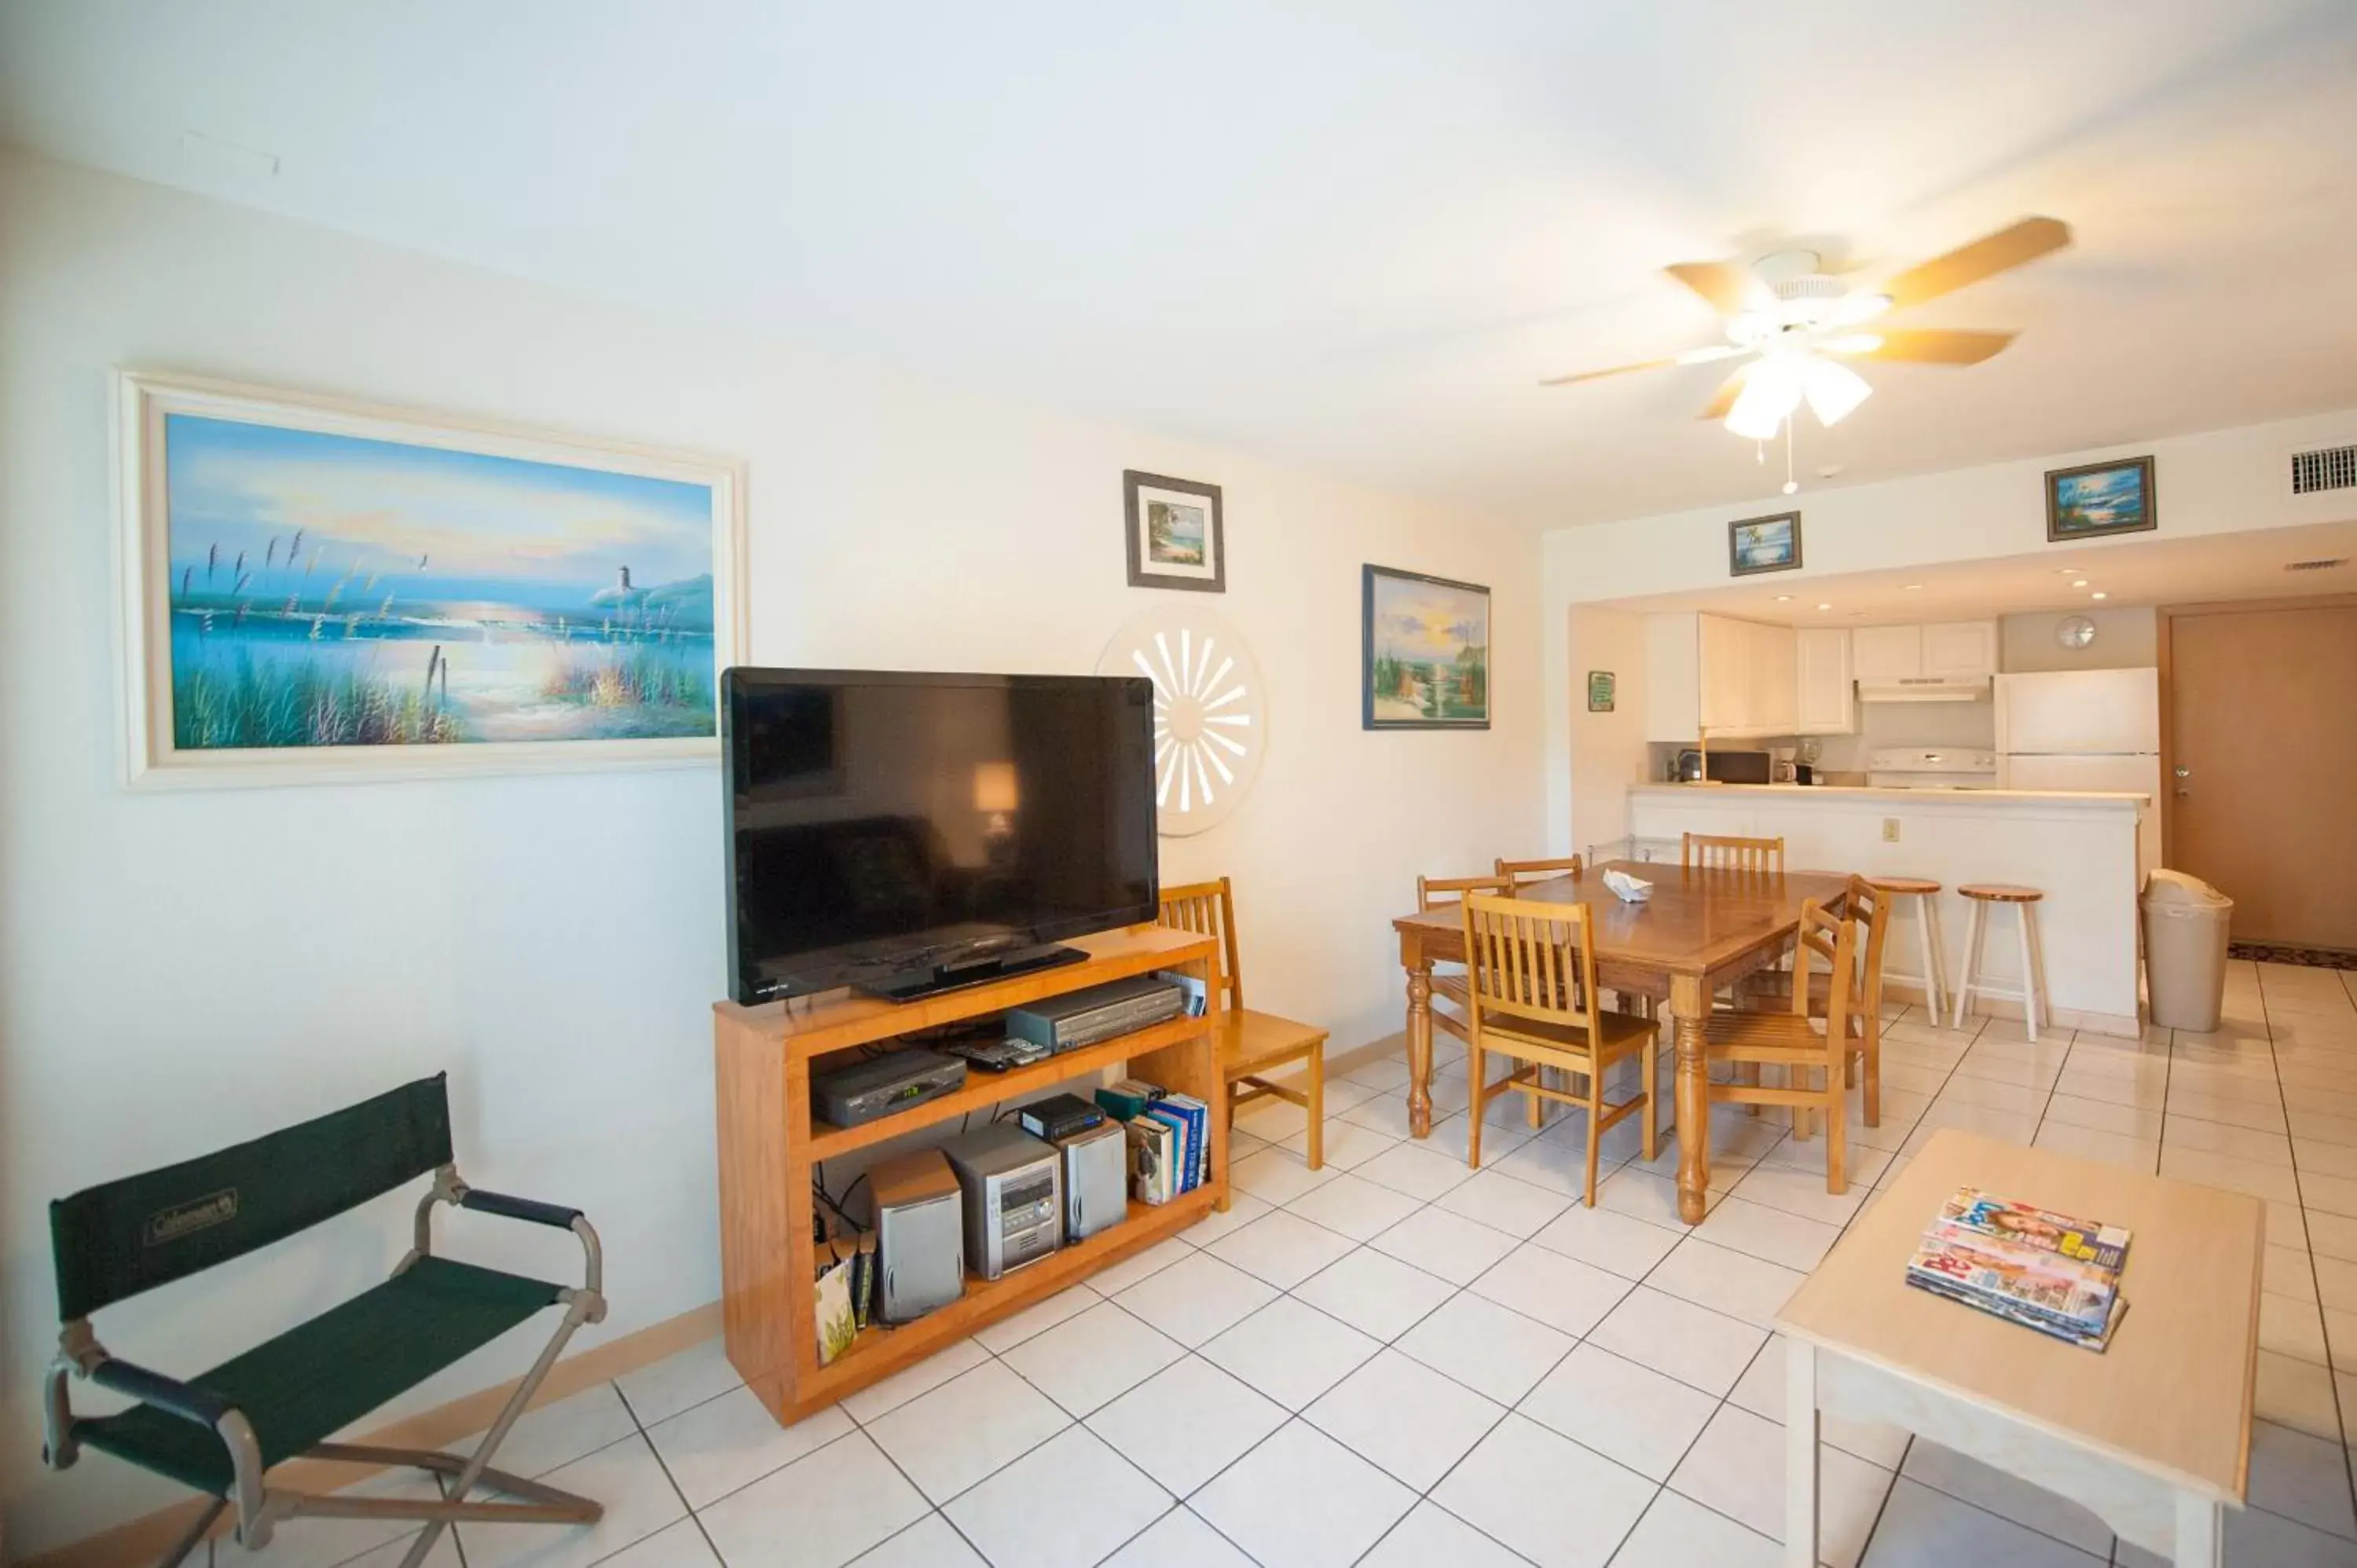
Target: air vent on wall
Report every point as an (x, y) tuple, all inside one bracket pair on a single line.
[(2326, 468), (2324, 563)]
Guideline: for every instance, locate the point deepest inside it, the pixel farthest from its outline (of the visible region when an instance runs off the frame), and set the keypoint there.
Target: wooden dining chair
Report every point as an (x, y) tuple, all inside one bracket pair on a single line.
[(1449, 983), (1715, 852), (1252, 1043), (1792, 1040), (1772, 990), (1531, 970), (1520, 872)]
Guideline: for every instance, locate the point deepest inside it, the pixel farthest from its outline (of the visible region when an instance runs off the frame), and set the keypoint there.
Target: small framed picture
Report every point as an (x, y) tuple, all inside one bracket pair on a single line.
[(1176, 536), (1601, 684), (1756, 544), (2097, 499), (1424, 652)]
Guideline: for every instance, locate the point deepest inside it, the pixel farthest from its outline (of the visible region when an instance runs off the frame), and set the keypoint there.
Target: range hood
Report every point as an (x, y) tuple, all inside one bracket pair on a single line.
[(1925, 689)]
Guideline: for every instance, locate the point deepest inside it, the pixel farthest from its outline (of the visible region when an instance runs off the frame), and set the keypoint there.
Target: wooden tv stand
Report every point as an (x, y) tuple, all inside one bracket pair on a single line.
[(771, 1140)]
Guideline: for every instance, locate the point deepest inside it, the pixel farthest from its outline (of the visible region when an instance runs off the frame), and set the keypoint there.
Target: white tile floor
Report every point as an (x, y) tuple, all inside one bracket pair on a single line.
[(1406, 1363)]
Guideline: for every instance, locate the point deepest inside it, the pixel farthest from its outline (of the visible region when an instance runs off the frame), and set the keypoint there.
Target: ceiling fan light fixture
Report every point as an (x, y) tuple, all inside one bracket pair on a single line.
[(1853, 343), (1834, 391), (1772, 391)]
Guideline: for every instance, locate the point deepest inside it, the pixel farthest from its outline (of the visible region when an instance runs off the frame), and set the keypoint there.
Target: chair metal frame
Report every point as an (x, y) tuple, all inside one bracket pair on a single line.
[(260, 1506)]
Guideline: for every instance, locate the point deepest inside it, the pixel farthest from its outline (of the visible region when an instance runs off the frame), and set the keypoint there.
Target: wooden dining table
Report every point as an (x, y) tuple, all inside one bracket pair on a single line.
[(1700, 932)]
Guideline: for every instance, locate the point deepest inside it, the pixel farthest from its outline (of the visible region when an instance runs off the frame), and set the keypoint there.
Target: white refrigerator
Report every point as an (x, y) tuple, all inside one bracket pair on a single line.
[(2084, 729)]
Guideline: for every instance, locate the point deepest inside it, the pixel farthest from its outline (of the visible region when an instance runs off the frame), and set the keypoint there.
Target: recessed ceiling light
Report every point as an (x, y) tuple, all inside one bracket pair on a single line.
[(1912, 586), (1783, 598), (2078, 583), (2099, 594), (2068, 571), (1824, 607)]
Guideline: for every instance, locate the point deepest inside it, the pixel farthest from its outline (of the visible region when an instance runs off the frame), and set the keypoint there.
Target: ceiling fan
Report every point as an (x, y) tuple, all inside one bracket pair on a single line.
[(1795, 326)]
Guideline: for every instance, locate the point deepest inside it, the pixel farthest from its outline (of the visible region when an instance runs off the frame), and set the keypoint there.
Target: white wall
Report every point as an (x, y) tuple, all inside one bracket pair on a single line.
[(2224, 481), (184, 970), (1608, 751)]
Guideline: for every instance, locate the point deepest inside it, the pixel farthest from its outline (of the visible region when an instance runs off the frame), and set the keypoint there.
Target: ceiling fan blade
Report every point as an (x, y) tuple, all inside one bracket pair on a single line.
[(1691, 357), (1930, 345), (1730, 289), (1729, 391), (1984, 257)]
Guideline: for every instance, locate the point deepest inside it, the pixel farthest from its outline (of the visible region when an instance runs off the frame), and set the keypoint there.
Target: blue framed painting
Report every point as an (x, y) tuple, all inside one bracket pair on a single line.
[(2099, 498), (318, 590)]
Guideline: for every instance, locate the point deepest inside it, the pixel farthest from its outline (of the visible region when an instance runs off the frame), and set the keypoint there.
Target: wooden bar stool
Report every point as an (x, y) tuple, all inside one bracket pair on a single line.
[(1931, 942), (2032, 994)]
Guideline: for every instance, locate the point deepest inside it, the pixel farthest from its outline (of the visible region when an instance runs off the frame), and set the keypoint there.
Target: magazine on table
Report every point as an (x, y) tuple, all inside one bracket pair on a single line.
[(2029, 1266)]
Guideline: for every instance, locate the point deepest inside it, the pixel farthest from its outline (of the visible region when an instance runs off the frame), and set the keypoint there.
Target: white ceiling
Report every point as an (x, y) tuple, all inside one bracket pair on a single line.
[(2160, 571), (1347, 236)]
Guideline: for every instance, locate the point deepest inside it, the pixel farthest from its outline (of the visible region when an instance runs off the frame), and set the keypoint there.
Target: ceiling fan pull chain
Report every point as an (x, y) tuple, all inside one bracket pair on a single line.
[(1792, 484)]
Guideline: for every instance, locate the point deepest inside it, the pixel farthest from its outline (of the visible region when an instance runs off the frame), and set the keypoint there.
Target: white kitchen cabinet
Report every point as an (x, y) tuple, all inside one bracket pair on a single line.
[(1673, 678), (1940, 651), (1960, 647), (1883, 653), (1828, 702), (1774, 705), (1735, 678)]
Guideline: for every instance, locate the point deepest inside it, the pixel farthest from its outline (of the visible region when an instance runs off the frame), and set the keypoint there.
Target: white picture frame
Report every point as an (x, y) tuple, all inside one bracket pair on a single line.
[(153, 755)]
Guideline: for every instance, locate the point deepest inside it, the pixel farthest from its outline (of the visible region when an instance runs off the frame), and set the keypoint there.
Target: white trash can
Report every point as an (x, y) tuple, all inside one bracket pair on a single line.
[(2185, 922)]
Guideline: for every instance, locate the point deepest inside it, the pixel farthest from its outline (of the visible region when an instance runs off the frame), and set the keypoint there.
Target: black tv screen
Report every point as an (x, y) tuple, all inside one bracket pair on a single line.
[(884, 824)]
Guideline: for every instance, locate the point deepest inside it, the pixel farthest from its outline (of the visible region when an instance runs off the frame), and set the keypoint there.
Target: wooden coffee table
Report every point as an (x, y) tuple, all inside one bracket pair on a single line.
[(2154, 1434)]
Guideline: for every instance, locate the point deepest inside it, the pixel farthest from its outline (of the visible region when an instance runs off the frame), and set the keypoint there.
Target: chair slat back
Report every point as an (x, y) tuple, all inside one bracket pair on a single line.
[(140, 1231), (1443, 892), (1717, 852), (1517, 872), (1833, 939), (1525, 960), (1870, 907), (1209, 909)]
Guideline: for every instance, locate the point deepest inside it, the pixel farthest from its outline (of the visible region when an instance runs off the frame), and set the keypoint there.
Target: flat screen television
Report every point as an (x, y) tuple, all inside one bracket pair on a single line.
[(905, 834)]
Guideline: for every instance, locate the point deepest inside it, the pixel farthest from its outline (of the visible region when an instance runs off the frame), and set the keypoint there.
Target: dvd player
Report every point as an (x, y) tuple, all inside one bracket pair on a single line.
[(878, 1086), (1084, 1017)]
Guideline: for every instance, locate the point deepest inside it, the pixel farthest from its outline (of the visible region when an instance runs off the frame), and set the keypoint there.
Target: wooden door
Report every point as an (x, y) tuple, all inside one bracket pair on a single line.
[(2262, 759)]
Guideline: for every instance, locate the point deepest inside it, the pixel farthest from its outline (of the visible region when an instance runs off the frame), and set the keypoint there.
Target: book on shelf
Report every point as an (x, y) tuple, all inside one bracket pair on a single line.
[(1149, 1158), (1194, 996), (1198, 1136), (2028, 1265)]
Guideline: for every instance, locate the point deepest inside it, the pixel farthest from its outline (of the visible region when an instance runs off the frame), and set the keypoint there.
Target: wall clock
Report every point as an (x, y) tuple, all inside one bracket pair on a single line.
[(1210, 714), (2075, 631)]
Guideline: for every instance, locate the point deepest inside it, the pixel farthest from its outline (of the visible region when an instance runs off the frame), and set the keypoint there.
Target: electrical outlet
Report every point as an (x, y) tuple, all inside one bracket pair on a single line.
[(1890, 829)]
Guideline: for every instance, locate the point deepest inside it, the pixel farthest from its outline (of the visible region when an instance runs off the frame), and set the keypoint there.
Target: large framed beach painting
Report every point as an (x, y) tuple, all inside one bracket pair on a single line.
[(317, 590), (1424, 652)]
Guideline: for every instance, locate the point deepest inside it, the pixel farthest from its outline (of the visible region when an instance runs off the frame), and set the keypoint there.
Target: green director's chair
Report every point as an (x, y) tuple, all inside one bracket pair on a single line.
[(222, 1431)]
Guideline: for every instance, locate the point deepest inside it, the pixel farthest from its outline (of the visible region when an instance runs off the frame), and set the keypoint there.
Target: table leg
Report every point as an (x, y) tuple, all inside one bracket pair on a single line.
[(1689, 1011), (1419, 1048), (2200, 1533), (1800, 1454)]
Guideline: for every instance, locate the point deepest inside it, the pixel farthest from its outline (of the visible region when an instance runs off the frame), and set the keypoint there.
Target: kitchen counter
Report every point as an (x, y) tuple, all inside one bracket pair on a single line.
[(2082, 849), (2081, 800)]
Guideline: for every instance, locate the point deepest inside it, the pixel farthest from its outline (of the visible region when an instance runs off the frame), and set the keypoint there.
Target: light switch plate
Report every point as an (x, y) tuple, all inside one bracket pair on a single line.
[(1890, 829)]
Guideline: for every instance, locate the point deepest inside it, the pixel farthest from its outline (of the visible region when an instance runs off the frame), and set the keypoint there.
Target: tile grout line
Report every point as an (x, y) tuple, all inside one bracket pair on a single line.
[(665, 1466)]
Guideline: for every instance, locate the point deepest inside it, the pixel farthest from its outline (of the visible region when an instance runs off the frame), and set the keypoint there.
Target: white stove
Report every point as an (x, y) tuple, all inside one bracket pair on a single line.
[(1931, 767)]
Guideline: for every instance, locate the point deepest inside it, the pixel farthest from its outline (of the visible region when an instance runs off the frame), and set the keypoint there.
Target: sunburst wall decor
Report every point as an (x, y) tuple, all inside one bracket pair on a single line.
[(1211, 712)]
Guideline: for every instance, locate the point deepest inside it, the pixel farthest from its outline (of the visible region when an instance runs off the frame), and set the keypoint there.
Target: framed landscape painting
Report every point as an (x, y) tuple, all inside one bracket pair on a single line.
[(316, 590), (2098, 498), (1176, 537), (1756, 544), (1424, 652)]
